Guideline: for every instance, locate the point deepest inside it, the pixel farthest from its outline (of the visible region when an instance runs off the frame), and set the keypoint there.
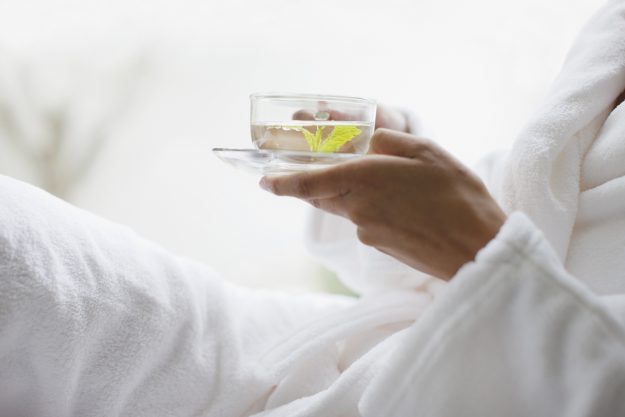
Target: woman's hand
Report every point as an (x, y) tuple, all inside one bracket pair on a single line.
[(409, 199)]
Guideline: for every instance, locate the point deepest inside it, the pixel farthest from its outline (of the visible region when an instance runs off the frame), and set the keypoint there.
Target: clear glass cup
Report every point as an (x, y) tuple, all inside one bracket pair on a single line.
[(311, 123)]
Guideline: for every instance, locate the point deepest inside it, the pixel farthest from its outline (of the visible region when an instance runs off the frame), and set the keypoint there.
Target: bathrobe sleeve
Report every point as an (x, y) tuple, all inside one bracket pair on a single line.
[(512, 335)]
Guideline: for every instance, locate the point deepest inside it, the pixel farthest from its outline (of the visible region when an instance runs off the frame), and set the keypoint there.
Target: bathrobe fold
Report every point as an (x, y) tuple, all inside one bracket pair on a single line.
[(513, 335)]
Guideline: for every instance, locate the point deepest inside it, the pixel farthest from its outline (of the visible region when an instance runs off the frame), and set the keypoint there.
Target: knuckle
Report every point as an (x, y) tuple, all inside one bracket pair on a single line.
[(360, 217), (379, 137), (316, 203), (382, 132), (421, 143), (344, 191), (365, 236), (303, 187), (424, 150)]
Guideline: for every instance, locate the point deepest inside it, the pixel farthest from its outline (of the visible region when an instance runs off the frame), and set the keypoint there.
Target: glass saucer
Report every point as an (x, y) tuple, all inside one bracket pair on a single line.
[(263, 162)]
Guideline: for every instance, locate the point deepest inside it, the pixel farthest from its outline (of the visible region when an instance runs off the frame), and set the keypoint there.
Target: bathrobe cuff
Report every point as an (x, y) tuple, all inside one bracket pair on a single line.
[(513, 334)]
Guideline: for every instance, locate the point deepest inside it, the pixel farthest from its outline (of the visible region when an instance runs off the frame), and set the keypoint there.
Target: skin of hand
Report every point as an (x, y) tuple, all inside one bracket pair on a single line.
[(391, 118), (409, 198)]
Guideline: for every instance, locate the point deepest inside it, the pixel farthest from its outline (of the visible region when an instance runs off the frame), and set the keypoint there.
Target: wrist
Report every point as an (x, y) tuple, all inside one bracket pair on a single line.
[(488, 227)]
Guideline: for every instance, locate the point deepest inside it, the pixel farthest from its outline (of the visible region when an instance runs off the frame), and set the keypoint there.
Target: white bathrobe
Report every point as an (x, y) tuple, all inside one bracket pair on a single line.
[(536, 325), (95, 321)]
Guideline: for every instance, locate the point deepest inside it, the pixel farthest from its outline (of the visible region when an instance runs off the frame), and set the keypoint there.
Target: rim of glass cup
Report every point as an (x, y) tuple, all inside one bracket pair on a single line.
[(317, 97)]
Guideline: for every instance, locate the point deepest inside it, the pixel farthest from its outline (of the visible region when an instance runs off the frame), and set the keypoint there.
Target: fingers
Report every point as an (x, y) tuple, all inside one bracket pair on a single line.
[(390, 142), (312, 185), (321, 189), (391, 118), (334, 205), (303, 115)]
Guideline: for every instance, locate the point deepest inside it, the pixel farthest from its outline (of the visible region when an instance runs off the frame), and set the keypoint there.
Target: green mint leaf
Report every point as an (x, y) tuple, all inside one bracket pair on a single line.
[(313, 140), (310, 138), (318, 136), (339, 136)]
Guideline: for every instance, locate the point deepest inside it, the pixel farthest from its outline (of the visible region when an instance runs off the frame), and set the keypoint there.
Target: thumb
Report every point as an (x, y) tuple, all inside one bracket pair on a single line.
[(392, 142)]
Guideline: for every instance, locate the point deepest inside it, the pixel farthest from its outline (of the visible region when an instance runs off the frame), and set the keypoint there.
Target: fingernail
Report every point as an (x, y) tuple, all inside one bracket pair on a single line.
[(265, 184)]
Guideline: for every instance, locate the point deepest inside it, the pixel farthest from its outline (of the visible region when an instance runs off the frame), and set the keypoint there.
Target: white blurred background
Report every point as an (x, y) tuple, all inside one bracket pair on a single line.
[(114, 105)]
